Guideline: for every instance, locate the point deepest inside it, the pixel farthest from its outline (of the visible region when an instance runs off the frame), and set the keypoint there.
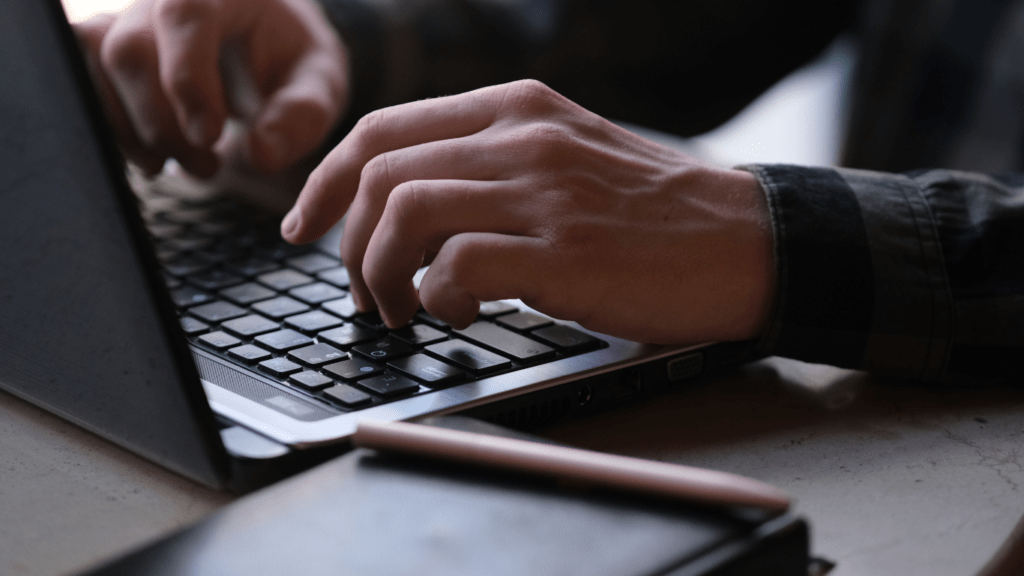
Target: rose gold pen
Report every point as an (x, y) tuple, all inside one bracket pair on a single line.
[(607, 470)]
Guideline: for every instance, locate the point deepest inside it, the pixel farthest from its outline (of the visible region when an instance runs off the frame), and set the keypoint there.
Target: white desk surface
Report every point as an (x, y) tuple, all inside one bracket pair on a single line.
[(894, 481)]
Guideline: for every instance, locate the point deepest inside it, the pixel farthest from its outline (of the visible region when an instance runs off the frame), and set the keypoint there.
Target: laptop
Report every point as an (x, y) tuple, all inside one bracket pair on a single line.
[(184, 329)]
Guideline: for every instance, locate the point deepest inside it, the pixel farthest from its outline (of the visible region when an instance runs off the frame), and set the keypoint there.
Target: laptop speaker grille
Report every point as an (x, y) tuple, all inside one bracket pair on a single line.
[(257, 391)]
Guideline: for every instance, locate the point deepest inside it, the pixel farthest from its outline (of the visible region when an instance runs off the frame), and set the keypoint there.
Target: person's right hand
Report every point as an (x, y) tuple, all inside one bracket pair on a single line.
[(158, 66)]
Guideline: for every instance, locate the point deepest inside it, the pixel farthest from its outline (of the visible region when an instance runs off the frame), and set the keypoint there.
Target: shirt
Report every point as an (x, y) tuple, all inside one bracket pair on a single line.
[(916, 275)]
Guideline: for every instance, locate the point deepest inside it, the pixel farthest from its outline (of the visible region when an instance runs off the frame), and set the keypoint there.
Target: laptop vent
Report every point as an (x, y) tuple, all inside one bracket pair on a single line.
[(532, 415), (257, 391)]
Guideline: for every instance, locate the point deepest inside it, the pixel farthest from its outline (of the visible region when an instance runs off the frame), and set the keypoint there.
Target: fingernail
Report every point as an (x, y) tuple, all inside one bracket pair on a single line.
[(290, 224)]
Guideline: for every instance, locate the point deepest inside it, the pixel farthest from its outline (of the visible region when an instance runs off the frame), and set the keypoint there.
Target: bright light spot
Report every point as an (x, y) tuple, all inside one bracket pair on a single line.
[(83, 9)]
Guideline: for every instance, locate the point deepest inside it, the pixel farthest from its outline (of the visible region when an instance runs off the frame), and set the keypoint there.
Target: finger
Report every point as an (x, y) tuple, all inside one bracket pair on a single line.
[(91, 33), (333, 185), (419, 218), (466, 158), (479, 267), (188, 37), (129, 58), (297, 117)]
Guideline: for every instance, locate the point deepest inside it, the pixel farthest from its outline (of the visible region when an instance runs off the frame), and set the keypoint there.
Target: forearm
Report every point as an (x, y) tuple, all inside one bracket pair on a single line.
[(917, 276)]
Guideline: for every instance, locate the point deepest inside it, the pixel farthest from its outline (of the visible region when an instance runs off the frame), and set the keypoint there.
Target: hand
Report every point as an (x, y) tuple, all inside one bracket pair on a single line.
[(516, 192), (158, 66)]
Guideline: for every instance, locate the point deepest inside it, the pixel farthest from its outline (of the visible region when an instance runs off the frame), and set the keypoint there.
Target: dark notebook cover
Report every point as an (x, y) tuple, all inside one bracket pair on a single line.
[(366, 513)]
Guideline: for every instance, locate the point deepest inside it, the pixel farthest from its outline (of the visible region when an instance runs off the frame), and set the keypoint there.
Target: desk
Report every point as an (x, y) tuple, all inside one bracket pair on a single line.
[(894, 481)]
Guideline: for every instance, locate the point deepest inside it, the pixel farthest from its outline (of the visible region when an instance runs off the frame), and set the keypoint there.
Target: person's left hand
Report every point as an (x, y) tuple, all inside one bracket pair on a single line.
[(171, 72), (515, 192)]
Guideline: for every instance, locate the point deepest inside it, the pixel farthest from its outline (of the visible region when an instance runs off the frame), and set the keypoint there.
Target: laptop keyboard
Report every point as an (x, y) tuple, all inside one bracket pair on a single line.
[(284, 311)]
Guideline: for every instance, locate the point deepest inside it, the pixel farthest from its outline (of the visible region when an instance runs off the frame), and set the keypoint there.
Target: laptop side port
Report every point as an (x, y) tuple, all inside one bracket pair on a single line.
[(630, 384), (685, 367), (584, 395)]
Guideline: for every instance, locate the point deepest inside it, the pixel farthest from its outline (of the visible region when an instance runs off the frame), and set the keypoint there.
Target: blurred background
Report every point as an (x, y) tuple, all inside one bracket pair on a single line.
[(800, 120)]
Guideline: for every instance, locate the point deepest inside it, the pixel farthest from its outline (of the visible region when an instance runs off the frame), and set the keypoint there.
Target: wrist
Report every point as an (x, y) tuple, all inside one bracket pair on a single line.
[(755, 255)]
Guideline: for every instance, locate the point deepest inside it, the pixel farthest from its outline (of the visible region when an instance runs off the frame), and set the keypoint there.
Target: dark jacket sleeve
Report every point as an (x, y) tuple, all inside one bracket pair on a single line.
[(917, 276), (680, 66)]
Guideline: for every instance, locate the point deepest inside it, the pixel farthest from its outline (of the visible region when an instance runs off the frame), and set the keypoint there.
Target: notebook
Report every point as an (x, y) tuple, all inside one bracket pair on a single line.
[(184, 329), (373, 513)]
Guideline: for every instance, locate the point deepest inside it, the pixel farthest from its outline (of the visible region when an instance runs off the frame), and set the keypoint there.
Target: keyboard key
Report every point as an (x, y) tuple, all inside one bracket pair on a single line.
[(165, 229), (317, 293), (523, 321), (247, 293), (428, 318), (468, 356), (185, 266), (251, 266), (219, 254), (492, 309), (188, 215), (283, 279), (278, 308), (249, 326), (164, 254), (347, 336), (283, 340), (219, 340), (352, 369), (214, 279), (191, 326), (566, 338), (347, 396), (344, 307), (419, 334), (371, 320), (220, 228), (337, 276), (389, 385), (188, 243), (317, 355), (312, 263), (382, 350), (311, 380), (312, 322), (188, 296), (431, 372), (217, 312), (172, 282), (249, 354), (501, 340), (278, 249), (280, 367)]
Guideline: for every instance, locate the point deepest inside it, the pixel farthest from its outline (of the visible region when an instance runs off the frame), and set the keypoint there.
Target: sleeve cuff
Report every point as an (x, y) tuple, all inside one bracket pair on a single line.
[(860, 272)]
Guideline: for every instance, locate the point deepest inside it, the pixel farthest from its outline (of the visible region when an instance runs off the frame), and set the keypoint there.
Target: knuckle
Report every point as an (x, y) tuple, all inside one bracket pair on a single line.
[(375, 175), (127, 51), (544, 143), (531, 96), (461, 259), (405, 203), (368, 129), (548, 134)]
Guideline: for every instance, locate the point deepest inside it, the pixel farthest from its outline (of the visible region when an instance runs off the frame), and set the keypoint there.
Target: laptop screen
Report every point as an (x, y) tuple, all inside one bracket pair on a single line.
[(85, 332)]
